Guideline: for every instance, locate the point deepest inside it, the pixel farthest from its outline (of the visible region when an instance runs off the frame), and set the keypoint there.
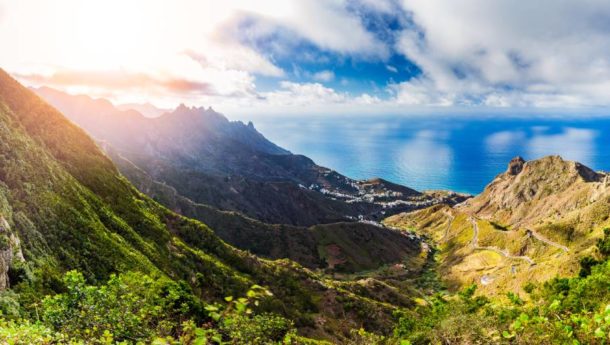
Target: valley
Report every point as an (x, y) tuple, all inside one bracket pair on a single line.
[(370, 256), (304, 172)]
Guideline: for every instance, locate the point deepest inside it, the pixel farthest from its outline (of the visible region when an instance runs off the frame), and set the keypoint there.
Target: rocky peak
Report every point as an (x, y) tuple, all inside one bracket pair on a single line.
[(587, 174), (531, 191), (553, 167), (515, 166)]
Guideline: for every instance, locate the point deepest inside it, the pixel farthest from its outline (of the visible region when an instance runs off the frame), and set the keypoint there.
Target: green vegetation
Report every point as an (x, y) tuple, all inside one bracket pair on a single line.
[(70, 209), (136, 308), (561, 311), (88, 259)]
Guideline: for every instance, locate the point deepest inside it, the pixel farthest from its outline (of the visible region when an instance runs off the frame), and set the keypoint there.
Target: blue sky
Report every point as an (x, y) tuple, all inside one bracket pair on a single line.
[(303, 61), (318, 56)]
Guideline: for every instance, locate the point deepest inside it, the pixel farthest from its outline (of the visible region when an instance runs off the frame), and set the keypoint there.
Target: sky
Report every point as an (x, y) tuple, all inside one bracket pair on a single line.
[(317, 56)]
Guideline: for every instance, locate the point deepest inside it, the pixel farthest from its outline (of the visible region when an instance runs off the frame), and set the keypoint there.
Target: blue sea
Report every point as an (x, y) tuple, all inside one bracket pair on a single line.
[(456, 153)]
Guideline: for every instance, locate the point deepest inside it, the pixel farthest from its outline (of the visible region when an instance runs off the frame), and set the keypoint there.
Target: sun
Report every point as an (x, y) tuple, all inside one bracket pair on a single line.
[(112, 35)]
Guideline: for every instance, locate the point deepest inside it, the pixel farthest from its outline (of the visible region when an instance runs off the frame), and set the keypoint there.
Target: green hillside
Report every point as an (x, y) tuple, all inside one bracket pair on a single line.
[(67, 208), (335, 247), (87, 258)]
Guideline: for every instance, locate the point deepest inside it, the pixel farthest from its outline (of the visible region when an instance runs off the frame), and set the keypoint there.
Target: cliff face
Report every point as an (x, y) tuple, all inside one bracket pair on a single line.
[(10, 252), (10, 245)]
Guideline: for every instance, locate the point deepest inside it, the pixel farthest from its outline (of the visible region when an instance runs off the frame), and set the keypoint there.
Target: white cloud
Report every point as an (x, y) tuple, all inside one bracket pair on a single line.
[(501, 53), (304, 94), (329, 25), (502, 141), (366, 99), (232, 56), (573, 143), (420, 91), (324, 76), (391, 68)]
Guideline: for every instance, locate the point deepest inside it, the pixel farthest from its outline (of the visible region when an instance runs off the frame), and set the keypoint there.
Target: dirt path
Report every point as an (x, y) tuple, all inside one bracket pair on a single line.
[(451, 218), (475, 245), (547, 241)]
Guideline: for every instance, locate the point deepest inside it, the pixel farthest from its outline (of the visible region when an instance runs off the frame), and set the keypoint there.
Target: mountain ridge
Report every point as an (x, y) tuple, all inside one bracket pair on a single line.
[(205, 164)]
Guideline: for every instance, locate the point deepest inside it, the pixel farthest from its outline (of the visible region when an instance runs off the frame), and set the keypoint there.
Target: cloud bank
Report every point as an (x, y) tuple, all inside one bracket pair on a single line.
[(380, 56)]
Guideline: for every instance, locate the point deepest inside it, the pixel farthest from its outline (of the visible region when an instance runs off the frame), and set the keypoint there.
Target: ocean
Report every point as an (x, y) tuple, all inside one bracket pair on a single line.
[(456, 153)]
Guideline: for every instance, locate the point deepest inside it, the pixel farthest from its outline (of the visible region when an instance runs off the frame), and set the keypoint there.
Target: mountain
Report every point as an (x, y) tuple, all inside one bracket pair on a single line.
[(146, 109), (537, 220), (231, 166), (335, 247), (65, 206)]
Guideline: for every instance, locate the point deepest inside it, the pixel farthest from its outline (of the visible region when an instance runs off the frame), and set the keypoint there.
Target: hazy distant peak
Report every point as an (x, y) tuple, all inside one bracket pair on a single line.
[(188, 114), (48, 93), (147, 109)]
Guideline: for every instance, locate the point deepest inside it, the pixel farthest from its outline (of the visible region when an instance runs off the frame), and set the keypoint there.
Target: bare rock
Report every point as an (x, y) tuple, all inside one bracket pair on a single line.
[(516, 165), (10, 250)]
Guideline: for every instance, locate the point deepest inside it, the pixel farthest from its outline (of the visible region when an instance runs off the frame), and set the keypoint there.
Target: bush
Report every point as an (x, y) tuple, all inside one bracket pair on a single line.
[(129, 307), (603, 244), (136, 308)]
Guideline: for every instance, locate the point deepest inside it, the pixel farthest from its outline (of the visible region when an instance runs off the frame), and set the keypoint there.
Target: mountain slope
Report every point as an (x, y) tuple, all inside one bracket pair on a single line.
[(534, 221), (339, 247), (65, 206), (230, 166), (529, 192)]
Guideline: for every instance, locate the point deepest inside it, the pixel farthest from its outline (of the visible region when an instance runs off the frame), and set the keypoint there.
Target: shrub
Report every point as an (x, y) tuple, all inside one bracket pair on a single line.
[(129, 307)]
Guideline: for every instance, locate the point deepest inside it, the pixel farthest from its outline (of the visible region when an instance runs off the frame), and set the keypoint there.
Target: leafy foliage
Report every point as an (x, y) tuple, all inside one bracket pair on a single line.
[(130, 307), (136, 308)]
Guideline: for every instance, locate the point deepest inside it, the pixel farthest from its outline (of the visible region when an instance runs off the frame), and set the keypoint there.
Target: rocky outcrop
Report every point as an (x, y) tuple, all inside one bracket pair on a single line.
[(515, 166), (10, 251)]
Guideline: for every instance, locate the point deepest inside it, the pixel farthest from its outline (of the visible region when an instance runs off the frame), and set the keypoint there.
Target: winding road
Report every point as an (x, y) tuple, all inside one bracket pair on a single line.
[(546, 240), (451, 218), (504, 252)]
